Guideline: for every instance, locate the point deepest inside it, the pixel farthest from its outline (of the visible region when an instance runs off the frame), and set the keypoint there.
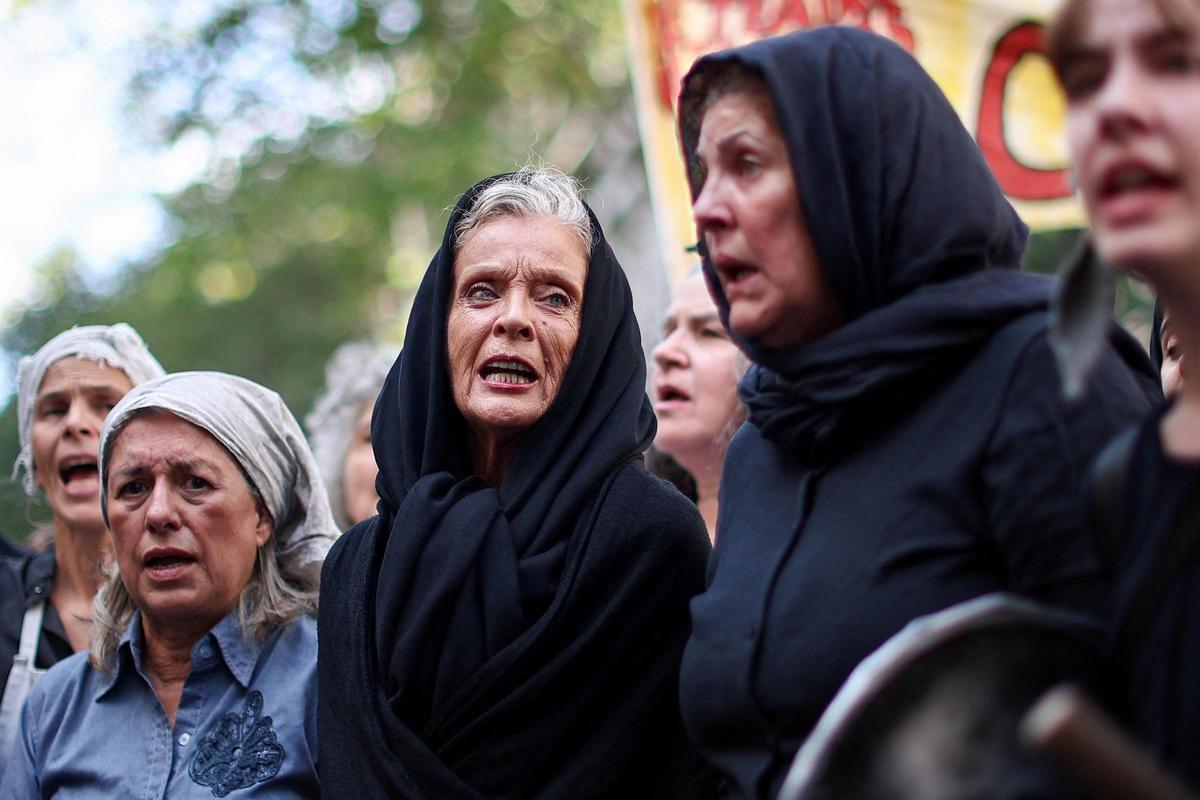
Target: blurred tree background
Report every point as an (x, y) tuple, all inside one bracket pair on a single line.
[(336, 133), (337, 136)]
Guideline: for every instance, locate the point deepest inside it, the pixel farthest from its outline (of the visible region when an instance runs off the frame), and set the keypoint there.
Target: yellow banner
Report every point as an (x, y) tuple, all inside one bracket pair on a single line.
[(985, 54)]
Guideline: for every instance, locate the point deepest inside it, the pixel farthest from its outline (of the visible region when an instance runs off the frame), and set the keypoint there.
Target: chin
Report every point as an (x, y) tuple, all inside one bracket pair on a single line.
[(1150, 250), (747, 323)]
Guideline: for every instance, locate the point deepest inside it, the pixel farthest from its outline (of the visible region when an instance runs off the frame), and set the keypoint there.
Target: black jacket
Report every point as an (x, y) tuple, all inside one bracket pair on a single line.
[(25, 580)]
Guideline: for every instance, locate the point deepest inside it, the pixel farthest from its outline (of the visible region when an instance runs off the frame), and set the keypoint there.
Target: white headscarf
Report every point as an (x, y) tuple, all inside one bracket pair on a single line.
[(117, 346), (256, 427)]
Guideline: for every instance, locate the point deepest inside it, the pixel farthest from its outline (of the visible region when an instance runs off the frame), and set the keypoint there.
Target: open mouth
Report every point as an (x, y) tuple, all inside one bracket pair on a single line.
[(166, 563), (667, 394), (733, 272), (78, 470), (1134, 179), (507, 370)]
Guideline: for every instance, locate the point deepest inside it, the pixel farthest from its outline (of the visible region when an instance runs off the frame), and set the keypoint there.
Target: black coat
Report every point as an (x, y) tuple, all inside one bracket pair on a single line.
[(919, 455), (519, 641)]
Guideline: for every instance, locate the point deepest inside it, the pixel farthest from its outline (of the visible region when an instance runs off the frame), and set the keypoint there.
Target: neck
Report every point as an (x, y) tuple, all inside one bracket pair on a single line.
[(168, 649), (168, 659), (79, 557), (491, 456), (1179, 429), (705, 469)]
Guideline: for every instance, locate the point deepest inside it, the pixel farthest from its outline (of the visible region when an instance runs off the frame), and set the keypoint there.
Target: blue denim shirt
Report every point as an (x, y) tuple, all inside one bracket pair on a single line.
[(246, 725)]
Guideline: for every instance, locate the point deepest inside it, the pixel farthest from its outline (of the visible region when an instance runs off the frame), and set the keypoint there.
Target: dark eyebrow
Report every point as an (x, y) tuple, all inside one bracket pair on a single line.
[(1162, 37), (1171, 35), (733, 139), (705, 319), (93, 388), (182, 465)]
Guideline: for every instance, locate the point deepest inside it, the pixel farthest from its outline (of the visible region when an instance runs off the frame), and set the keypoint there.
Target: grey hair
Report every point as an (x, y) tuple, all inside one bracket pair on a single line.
[(280, 590), (531, 191), (353, 378)]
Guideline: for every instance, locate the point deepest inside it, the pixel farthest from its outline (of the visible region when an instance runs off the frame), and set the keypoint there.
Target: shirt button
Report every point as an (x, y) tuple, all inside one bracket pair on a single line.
[(184, 739), (39, 589)]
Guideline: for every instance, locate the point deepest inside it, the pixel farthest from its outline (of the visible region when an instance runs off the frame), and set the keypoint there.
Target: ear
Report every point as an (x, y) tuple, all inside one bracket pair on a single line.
[(262, 531)]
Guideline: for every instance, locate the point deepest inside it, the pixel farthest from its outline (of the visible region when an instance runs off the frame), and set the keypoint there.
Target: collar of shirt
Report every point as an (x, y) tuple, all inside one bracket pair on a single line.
[(224, 641)]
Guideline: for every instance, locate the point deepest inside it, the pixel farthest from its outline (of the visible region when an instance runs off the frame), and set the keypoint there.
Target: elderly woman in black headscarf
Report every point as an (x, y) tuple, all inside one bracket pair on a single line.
[(511, 624), (907, 447)]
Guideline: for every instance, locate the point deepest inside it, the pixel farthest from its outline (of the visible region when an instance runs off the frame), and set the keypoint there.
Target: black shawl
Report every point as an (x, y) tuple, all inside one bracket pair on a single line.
[(521, 641), (917, 242)]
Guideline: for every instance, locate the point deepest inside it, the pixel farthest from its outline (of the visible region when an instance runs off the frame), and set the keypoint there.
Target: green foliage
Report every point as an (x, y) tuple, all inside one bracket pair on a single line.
[(339, 134)]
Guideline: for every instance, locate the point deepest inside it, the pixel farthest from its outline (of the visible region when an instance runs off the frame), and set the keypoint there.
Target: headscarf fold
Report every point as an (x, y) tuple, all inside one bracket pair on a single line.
[(256, 427), (118, 346), (467, 568), (917, 242)]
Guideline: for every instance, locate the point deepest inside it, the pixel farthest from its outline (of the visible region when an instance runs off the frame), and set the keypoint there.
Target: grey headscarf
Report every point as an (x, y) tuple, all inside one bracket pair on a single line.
[(353, 378), (117, 346), (256, 427)]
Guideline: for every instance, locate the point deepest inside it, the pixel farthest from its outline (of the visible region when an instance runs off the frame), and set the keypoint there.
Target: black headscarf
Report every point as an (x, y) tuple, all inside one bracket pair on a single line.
[(916, 240), (467, 567), (489, 613)]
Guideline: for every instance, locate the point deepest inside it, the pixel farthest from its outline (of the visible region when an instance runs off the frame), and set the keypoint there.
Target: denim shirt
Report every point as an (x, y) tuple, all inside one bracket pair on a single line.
[(246, 725)]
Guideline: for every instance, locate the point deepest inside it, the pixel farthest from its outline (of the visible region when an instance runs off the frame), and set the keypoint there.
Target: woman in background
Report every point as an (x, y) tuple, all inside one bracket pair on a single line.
[(339, 428), (696, 370), (64, 393)]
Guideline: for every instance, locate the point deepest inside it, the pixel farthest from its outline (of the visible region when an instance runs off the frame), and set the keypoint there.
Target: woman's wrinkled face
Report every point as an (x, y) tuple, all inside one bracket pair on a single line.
[(185, 527), (514, 320), (1132, 81), (695, 376), (358, 474), (749, 216), (68, 414)]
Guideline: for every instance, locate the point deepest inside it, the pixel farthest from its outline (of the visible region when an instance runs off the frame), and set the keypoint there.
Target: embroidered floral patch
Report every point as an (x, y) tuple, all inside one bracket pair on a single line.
[(241, 751)]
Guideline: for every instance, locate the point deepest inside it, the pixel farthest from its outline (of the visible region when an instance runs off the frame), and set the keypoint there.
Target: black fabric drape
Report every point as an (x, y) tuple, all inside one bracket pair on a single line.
[(489, 606)]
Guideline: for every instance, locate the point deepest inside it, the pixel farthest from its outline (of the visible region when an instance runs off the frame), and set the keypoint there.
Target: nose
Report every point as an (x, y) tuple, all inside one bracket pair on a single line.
[(515, 318), (80, 421), (670, 352), (161, 514), (1125, 101), (711, 207)]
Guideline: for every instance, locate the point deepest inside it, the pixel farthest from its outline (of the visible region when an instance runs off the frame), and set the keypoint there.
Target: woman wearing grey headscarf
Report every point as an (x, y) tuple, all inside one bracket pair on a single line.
[(339, 429), (64, 393), (201, 676)]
